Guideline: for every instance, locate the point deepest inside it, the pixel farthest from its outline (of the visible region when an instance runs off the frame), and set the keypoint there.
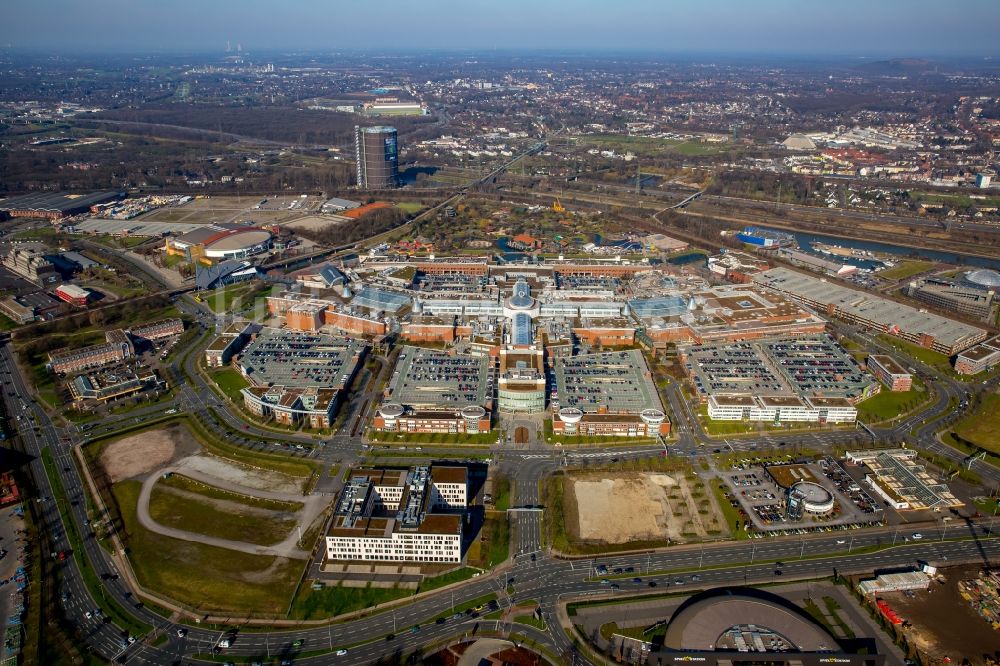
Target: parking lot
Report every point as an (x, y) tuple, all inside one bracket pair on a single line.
[(301, 360), (753, 492), (618, 381), (428, 378)]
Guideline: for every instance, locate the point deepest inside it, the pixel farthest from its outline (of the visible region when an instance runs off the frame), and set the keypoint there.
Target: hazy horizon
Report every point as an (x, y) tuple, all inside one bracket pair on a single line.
[(847, 28)]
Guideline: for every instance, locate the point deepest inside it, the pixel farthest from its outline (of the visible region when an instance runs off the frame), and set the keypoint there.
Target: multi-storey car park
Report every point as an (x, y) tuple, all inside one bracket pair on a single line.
[(298, 377), (778, 379), (943, 335), (431, 391), (606, 393)]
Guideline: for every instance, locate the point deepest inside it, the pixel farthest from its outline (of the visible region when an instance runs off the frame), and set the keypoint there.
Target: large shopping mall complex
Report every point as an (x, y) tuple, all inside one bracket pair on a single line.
[(567, 339)]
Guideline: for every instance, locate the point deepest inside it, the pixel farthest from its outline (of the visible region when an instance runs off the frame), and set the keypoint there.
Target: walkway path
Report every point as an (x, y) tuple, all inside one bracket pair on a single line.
[(313, 506)]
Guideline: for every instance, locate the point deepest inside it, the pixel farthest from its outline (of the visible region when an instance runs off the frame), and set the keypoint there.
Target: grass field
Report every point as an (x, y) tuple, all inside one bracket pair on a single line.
[(204, 577), (184, 504), (434, 582), (230, 382), (313, 604), (936, 360), (890, 404), (982, 427), (410, 206), (481, 438), (905, 269)]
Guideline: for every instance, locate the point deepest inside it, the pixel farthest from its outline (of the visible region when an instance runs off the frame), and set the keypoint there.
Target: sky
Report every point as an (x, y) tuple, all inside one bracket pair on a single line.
[(904, 28)]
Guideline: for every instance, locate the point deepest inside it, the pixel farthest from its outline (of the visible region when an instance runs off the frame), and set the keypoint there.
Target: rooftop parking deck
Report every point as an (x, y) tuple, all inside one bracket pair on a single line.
[(428, 378), (302, 360), (617, 382)]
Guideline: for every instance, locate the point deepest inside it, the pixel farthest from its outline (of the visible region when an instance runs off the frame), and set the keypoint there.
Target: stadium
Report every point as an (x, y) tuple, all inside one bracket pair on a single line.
[(217, 242)]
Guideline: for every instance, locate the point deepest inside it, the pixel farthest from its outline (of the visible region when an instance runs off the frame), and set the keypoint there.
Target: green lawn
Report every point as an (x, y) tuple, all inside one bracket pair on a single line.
[(410, 206), (205, 577), (936, 360), (530, 620), (729, 514), (982, 427), (327, 602), (231, 382), (905, 269), (481, 439), (890, 404), (184, 504), (232, 297), (434, 582)]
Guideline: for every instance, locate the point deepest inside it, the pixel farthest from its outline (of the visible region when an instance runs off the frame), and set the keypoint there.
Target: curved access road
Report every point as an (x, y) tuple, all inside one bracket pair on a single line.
[(313, 506)]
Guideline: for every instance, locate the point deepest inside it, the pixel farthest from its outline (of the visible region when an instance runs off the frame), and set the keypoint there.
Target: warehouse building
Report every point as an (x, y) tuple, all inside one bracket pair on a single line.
[(54, 205), (943, 335), (387, 515)]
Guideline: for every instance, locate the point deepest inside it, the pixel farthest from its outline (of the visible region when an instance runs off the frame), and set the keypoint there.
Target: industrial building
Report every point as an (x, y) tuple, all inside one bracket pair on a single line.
[(393, 515), (818, 264), (981, 358), (377, 157), (897, 476), (888, 371), (218, 242), (54, 205), (864, 309)]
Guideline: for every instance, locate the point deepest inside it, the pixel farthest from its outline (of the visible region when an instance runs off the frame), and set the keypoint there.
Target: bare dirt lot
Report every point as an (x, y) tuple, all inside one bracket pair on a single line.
[(618, 508), (242, 475), (314, 223), (148, 451), (943, 624)]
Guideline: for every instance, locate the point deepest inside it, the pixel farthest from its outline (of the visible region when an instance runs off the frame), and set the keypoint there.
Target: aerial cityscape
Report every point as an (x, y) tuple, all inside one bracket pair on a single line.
[(531, 334)]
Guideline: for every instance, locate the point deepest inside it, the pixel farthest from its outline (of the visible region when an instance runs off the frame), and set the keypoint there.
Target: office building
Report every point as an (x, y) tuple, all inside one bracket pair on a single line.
[(980, 358), (394, 515), (377, 157), (32, 265), (971, 301), (117, 348), (889, 372)]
